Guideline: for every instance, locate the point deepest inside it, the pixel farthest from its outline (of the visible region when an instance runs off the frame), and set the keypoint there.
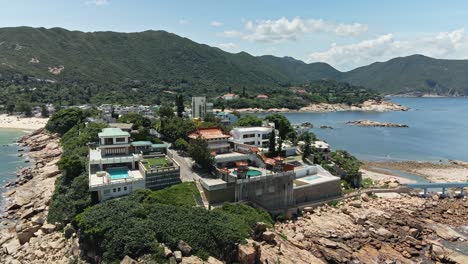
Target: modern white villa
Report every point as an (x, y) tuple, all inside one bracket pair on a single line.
[(118, 167), (254, 136)]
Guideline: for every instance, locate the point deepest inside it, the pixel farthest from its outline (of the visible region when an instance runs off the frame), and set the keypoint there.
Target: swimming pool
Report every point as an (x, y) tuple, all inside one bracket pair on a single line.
[(310, 178), (118, 173), (250, 173)]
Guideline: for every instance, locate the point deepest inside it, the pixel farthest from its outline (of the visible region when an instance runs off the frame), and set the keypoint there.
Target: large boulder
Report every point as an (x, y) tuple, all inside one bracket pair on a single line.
[(247, 254), (48, 228), (178, 256), (185, 248), (128, 260), (384, 233), (268, 236), (50, 171), (26, 234), (12, 246)]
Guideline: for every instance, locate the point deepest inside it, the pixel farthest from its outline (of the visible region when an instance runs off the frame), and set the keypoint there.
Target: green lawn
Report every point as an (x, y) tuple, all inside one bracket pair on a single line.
[(156, 162), (183, 194)]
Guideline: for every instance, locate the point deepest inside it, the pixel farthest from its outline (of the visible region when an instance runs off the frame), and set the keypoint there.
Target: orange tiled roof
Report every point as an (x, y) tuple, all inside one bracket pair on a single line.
[(208, 133)]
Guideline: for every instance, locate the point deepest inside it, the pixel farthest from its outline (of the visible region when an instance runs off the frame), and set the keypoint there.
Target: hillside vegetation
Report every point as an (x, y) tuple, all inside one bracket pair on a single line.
[(71, 67)]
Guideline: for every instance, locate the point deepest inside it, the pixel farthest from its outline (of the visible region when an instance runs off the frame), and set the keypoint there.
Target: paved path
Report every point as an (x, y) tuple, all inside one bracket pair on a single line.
[(186, 173)]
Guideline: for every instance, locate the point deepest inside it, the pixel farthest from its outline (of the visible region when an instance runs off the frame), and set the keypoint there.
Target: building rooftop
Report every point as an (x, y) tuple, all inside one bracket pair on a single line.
[(252, 129), (142, 143), (123, 126), (97, 181), (113, 132), (208, 133)]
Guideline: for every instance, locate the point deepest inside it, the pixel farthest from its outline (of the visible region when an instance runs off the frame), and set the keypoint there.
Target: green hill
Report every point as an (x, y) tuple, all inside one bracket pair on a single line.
[(413, 74), (58, 65)]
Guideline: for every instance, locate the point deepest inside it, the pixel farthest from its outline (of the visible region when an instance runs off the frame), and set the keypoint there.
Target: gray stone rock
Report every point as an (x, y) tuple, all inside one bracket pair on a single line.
[(128, 260), (268, 236), (48, 228), (185, 248), (68, 231), (384, 233), (178, 256)]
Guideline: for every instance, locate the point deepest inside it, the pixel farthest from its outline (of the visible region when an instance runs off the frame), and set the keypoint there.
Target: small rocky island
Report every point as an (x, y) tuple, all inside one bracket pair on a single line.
[(369, 123)]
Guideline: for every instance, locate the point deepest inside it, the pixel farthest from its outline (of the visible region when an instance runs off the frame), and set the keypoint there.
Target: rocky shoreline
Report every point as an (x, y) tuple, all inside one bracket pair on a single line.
[(370, 123), (25, 234), (403, 229), (367, 106)]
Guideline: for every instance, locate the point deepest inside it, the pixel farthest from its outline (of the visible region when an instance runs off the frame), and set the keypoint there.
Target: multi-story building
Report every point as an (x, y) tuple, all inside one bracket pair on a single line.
[(117, 166), (217, 140), (255, 136), (198, 107)]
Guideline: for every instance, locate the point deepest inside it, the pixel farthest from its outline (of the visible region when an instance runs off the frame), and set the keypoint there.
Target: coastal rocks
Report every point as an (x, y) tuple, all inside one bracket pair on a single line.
[(268, 236), (369, 123), (28, 238), (184, 248), (381, 230), (247, 254), (326, 127)]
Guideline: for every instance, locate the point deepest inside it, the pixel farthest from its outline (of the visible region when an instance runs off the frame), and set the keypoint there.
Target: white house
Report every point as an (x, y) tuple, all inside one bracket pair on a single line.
[(255, 136), (113, 168)]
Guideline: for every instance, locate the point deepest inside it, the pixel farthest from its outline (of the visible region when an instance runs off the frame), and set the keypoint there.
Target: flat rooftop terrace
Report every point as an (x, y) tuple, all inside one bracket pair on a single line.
[(96, 181)]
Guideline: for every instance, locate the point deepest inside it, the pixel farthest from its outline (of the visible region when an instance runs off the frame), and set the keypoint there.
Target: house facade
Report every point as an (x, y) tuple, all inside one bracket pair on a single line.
[(215, 137), (255, 136)]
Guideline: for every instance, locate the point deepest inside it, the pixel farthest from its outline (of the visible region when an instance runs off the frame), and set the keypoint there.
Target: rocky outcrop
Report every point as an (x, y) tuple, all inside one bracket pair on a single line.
[(369, 123), (367, 106), (374, 230), (26, 235)]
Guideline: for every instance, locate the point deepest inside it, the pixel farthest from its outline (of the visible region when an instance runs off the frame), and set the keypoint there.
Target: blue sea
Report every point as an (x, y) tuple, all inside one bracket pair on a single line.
[(438, 130), (9, 160)]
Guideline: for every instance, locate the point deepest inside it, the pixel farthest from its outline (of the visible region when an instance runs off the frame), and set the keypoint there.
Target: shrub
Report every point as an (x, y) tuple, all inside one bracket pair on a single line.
[(65, 119)]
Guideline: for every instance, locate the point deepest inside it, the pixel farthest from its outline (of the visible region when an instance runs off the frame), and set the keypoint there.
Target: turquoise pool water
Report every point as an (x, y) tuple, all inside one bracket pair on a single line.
[(251, 173), (310, 178), (118, 173)]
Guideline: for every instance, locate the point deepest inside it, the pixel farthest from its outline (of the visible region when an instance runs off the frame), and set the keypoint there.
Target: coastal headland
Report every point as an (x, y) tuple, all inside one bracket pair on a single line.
[(367, 106), (25, 234)]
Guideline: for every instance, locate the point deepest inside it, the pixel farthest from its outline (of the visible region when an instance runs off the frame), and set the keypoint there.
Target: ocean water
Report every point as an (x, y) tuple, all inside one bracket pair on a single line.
[(9, 160), (438, 130)]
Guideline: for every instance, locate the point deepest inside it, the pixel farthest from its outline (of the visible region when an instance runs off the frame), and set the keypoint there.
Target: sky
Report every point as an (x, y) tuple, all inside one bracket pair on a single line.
[(346, 34)]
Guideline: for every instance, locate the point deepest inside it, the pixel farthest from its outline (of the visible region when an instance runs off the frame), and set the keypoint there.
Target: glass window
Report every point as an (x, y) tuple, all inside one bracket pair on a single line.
[(113, 190), (119, 189), (120, 140), (125, 188)]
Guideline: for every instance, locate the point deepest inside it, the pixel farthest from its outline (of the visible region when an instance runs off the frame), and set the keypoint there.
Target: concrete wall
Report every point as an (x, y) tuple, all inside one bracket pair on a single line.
[(317, 192), (221, 195)]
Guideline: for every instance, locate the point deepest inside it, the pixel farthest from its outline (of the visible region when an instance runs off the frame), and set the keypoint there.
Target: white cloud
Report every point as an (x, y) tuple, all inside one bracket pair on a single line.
[(183, 21), (98, 2), (229, 46), (216, 24), (452, 44), (284, 29)]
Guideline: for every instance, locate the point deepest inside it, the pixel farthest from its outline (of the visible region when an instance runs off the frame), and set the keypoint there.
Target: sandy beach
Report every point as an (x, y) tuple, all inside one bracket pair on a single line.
[(434, 172), (27, 123), (378, 176)]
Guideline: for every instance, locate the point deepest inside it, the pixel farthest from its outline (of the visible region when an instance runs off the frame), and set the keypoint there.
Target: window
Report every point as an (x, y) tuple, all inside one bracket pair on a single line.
[(119, 189), (120, 140), (125, 188), (113, 190), (248, 136)]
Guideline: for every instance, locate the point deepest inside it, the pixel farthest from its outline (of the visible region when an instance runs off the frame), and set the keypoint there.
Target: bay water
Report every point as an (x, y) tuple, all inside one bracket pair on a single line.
[(438, 130)]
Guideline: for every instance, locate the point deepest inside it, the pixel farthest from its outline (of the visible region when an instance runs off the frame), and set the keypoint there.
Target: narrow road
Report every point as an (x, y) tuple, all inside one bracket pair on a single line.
[(186, 173)]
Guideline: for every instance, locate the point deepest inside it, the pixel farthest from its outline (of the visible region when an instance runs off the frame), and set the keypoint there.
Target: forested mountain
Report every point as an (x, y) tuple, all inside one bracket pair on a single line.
[(38, 64)]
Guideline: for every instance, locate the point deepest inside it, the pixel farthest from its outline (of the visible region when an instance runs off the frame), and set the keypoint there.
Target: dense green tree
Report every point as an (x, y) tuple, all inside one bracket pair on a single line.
[(281, 123), (65, 119), (44, 111), (280, 147), (181, 144), (248, 121), (166, 112), (180, 105), (272, 144), (210, 117), (198, 150), (138, 120), (350, 165), (10, 108), (175, 128), (307, 149)]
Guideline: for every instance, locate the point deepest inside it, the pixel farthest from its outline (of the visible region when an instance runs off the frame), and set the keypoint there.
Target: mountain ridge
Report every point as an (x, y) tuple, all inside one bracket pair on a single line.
[(172, 60)]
